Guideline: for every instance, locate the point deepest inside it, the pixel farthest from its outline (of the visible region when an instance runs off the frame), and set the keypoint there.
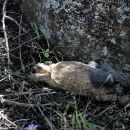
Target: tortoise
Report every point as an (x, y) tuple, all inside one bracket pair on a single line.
[(80, 78)]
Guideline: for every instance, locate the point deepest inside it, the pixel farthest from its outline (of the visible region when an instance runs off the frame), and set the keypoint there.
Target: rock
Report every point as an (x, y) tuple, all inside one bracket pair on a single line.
[(84, 30), (78, 78)]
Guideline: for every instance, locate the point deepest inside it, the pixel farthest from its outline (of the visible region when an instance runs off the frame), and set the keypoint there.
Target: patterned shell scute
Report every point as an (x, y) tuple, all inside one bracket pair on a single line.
[(72, 74)]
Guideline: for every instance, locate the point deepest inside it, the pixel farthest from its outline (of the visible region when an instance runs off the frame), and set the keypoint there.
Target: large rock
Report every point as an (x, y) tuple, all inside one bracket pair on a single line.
[(85, 29)]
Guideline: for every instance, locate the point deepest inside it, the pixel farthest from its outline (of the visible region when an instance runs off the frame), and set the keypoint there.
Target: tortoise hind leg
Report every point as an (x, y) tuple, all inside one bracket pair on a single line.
[(106, 97)]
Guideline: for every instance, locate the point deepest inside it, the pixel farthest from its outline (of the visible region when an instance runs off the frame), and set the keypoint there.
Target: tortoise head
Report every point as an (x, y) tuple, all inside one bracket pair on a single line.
[(41, 68), (41, 72)]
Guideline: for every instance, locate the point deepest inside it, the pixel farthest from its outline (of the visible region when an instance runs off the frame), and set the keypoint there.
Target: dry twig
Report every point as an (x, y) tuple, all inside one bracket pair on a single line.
[(4, 30), (5, 33), (9, 123), (19, 40), (23, 104)]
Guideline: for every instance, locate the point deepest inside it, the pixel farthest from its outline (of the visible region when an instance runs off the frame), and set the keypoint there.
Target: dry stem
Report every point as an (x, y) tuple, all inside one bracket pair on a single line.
[(4, 30)]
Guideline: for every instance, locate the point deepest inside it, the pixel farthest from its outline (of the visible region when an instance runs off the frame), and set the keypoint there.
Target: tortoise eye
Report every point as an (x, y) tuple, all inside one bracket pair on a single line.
[(39, 67)]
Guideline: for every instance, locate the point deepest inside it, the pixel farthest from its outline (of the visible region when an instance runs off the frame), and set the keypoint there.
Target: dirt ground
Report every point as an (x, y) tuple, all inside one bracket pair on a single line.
[(24, 101)]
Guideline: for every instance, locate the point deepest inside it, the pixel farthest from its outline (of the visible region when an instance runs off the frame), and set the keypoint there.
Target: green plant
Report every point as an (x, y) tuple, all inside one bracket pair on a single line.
[(46, 53), (79, 121), (40, 32)]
